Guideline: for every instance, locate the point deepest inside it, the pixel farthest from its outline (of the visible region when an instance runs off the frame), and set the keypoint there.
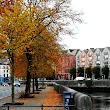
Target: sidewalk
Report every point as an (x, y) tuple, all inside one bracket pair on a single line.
[(46, 97)]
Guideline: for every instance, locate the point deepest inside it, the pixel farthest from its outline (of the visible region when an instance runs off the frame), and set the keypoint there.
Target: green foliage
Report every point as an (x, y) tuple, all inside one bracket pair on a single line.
[(88, 72), (80, 71), (89, 83), (73, 72), (96, 71), (105, 71)]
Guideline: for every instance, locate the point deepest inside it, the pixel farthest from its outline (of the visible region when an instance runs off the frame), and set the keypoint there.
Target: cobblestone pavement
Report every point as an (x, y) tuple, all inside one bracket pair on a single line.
[(32, 101)]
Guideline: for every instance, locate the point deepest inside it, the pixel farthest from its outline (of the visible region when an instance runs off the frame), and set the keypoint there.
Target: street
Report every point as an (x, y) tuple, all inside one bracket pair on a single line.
[(6, 90)]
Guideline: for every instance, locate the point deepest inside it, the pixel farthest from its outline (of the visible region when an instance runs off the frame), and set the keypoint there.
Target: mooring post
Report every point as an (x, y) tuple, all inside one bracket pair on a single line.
[(8, 107), (42, 107)]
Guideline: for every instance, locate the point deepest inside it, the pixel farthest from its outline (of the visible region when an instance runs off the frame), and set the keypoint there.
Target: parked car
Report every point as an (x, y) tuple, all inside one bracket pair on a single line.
[(5, 84), (88, 78), (79, 78), (17, 83)]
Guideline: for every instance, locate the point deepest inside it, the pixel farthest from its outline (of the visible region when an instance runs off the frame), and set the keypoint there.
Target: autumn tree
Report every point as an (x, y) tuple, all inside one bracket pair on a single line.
[(15, 31), (25, 27), (51, 18), (19, 35), (46, 56)]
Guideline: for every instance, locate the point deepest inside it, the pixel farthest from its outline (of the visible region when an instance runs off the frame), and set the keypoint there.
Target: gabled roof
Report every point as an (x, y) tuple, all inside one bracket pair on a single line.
[(86, 50), (108, 48), (78, 50), (71, 50), (101, 49), (75, 51), (92, 49)]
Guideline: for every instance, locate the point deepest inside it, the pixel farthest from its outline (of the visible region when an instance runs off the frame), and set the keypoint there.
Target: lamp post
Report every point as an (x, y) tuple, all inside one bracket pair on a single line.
[(84, 72)]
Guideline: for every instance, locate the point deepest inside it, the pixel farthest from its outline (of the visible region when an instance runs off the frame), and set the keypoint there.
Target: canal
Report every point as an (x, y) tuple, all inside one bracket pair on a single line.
[(101, 101)]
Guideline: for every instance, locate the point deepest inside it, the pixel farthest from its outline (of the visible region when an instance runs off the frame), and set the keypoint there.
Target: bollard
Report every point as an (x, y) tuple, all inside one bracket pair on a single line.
[(68, 101)]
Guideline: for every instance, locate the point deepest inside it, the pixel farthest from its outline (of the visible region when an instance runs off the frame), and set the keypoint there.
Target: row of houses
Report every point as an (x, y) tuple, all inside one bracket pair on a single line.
[(71, 58), (83, 58)]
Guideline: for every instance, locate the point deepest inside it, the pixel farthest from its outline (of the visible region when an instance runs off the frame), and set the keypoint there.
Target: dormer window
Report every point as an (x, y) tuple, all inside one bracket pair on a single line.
[(105, 53)]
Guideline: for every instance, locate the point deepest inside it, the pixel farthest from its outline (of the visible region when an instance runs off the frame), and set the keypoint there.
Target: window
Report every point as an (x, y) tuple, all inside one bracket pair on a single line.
[(6, 67), (83, 59), (3, 67), (106, 57)]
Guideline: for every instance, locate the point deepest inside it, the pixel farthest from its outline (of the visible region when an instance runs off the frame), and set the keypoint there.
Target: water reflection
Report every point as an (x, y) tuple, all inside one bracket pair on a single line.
[(101, 101)]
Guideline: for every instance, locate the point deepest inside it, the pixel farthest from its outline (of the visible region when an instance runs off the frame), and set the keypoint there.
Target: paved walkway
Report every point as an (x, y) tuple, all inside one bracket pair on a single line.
[(46, 97)]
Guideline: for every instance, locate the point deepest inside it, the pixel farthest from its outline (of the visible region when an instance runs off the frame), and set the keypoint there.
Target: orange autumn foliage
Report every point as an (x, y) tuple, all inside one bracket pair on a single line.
[(50, 96), (6, 4), (20, 69), (34, 27)]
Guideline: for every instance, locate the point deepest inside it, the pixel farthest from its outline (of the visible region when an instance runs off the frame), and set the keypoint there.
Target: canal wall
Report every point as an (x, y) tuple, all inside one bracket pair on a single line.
[(73, 83), (81, 86), (80, 100)]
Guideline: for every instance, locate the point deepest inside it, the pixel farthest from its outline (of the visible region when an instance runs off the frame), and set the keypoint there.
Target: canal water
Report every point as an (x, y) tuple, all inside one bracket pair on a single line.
[(101, 101)]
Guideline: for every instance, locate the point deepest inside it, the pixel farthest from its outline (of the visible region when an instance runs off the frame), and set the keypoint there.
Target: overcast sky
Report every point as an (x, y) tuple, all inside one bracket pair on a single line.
[(95, 32)]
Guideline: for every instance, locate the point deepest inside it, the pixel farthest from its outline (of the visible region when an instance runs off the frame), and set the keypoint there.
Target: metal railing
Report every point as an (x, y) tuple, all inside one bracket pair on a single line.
[(42, 107)]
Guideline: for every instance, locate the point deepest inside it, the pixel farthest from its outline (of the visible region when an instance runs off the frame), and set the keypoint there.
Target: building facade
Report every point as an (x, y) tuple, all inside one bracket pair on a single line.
[(4, 69), (83, 58), (65, 63), (94, 57)]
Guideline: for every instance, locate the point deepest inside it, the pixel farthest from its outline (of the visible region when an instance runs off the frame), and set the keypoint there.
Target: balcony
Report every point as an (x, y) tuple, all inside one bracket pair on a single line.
[(106, 57), (106, 62), (90, 64), (97, 62), (83, 59), (90, 59), (83, 64)]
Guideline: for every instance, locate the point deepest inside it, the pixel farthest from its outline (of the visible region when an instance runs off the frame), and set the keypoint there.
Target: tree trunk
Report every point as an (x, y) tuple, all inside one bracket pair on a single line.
[(33, 84), (28, 82), (43, 82), (12, 78), (36, 83)]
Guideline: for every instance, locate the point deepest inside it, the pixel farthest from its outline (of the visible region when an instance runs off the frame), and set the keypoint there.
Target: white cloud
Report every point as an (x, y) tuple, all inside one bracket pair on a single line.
[(96, 32)]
